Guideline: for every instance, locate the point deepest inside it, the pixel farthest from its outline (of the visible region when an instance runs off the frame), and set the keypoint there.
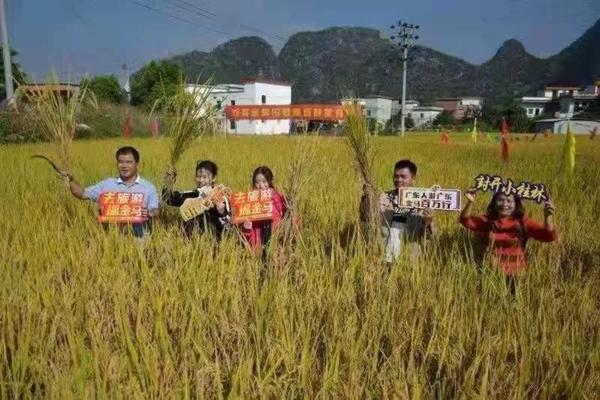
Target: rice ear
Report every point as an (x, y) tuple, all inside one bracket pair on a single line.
[(191, 114), (57, 115), (358, 142)]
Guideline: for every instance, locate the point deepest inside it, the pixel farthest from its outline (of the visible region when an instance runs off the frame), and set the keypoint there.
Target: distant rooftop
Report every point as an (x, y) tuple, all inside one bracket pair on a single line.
[(267, 81)]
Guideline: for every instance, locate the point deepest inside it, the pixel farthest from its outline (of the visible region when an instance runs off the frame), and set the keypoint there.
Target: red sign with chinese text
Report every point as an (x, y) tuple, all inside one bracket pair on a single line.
[(319, 112), (255, 205), (121, 207)]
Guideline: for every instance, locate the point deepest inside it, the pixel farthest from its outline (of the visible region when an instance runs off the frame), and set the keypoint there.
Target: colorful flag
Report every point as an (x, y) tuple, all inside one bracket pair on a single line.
[(444, 138), (474, 132), (154, 129), (568, 156), (127, 128), (505, 150), (505, 131)]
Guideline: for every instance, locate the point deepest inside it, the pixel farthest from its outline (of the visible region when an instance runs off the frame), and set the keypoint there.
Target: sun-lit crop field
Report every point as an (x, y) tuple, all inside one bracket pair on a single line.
[(86, 314)]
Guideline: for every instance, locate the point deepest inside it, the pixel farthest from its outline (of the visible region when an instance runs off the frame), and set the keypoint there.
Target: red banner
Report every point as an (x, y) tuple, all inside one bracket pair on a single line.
[(317, 112), (121, 207), (255, 205)]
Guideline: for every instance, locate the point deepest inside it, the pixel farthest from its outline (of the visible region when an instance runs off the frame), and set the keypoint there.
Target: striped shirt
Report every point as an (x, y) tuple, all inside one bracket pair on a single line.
[(507, 239)]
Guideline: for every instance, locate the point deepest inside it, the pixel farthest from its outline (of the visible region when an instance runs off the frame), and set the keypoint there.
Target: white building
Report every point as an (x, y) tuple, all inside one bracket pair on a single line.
[(534, 106), (251, 92), (556, 91), (424, 115), (561, 101), (378, 108), (558, 125), (397, 106)]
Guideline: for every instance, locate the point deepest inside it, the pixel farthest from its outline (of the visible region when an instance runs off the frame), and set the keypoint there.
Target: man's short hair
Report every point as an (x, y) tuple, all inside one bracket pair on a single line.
[(128, 150), (207, 165), (412, 167)]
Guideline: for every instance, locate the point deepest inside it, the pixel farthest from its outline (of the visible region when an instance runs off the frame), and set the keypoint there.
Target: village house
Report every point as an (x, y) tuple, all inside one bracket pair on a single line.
[(461, 107), (255, 91)]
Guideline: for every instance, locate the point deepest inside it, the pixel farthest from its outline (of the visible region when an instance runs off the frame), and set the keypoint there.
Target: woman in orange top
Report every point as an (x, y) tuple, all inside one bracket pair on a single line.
[(507, 229)]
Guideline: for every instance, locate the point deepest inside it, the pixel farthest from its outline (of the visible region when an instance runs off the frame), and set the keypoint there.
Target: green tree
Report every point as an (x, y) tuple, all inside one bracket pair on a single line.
[(445, 118), (106, 88), (409, 123), (18, 74), (154, 81), (513, 112), (393, 124)]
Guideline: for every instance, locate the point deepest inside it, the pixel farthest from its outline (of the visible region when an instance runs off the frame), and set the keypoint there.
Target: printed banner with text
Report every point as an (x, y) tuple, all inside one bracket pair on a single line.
[(255, 205), (318, 112), (435, 198), (121, 207)]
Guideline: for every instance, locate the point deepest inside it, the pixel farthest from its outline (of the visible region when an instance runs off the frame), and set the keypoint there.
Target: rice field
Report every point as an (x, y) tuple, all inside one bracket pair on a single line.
[(89, 314)]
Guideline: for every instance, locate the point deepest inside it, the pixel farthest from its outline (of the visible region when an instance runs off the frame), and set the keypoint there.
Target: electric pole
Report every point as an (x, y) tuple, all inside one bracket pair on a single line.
[(8, 76), (126, 86), (405, 37)]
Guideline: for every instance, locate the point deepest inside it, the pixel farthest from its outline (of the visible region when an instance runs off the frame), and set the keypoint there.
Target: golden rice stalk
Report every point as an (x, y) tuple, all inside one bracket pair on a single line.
[(57, 111), (359, 143), (298, 180), (191, 116)]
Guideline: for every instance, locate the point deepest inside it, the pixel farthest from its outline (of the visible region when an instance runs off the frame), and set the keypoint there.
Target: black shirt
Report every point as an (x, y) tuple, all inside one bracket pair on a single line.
[(210, 220)]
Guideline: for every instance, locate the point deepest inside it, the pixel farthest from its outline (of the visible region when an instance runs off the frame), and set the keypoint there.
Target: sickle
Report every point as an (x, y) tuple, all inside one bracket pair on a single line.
[(58, 171)]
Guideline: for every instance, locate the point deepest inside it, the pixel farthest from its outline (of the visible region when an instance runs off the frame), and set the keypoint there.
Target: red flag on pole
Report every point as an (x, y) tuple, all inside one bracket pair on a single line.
[(504, 127), (154, 128), (505, 150), (504, 142), (127, 128)]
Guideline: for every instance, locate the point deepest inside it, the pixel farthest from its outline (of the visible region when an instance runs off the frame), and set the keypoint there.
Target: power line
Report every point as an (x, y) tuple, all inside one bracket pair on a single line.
[(156, 10), (205, 13), (187, 21)]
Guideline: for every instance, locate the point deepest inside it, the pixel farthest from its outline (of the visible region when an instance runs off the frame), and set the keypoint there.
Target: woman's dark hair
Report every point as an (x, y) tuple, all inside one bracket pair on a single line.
[(128, 150), (207, 165), (492, 213), (266, 172)]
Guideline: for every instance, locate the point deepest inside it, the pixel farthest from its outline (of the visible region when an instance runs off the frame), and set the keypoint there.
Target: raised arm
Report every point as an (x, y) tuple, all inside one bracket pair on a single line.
[(478, 224), (76, 189), (545, 232), (466, 211)]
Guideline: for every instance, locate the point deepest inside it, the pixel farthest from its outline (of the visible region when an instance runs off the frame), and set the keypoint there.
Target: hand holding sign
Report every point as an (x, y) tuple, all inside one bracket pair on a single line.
[(548, 208), (470, 194)]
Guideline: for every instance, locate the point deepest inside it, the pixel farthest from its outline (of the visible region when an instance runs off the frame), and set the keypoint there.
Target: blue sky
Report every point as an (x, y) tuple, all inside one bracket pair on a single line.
[(74, 37)]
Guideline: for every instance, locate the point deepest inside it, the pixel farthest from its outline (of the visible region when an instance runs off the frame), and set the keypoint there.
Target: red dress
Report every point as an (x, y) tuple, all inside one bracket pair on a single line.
[(507, 238), (261, 230)]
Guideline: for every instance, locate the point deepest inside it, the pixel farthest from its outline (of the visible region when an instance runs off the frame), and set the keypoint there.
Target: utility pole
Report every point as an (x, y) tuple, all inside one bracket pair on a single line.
[(126, 85), (405, 38), (8, 76)]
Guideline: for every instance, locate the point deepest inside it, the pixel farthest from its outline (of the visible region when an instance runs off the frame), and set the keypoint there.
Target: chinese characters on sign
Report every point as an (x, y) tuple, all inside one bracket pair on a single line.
[(121, 207), (207, 198), (321, 112), (524, 190), (255, 205), (433, 198)]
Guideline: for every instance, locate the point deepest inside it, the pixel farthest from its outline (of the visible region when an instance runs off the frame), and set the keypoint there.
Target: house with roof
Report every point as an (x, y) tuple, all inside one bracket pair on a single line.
[(251, 91)]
